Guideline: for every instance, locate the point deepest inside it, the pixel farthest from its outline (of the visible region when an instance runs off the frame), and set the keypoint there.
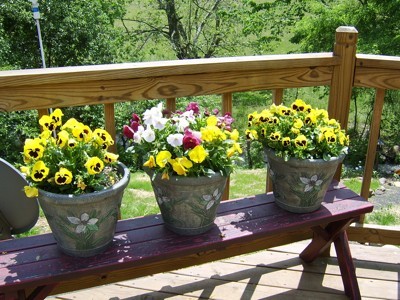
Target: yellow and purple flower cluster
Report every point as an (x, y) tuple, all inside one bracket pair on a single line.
[(67, 158), (189, 143), (298, 131)]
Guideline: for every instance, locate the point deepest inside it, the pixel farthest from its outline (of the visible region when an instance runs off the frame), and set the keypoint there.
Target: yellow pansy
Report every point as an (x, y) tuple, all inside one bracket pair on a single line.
[(235, 148), (70, 124), (94, 165), (180, 165), (299, 105), (251, 134), (62, 138), (286, 141), (165, 176), (163, 158), (30, 191), (151, 162), (33, 149), (330, 136), (82, 132), (275, 136), (311, 118), (72, 143), (234, 134), (110, 157), (39, 171), (56, 116), (212, 121), (63, 176), (298, 123), (103, 138), (47, 123), (25, 170), (300, 141), (198, 154)]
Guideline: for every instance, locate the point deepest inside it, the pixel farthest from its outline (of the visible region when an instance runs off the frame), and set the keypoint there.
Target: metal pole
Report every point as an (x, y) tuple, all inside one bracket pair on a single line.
[(36, 16), (40, 44)]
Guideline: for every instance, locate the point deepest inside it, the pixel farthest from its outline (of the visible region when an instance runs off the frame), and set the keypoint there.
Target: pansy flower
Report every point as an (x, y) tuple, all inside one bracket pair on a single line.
[(94, 165)]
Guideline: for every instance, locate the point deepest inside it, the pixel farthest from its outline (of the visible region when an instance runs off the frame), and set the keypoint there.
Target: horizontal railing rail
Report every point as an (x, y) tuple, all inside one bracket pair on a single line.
[(341, 70)]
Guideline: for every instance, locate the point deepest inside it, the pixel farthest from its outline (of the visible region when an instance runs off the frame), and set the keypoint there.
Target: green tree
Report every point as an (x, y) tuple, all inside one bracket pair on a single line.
[(74, 32), (167, 29)]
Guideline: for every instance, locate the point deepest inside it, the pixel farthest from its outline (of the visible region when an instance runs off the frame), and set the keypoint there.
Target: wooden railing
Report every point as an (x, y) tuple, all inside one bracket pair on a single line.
[(108, 84)]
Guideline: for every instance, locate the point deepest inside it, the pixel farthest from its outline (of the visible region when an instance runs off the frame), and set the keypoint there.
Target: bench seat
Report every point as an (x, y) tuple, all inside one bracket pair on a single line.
[(33, 267)]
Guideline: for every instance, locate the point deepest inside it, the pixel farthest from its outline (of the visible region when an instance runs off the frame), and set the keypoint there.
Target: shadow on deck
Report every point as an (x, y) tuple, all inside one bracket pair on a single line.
[(278, 273)]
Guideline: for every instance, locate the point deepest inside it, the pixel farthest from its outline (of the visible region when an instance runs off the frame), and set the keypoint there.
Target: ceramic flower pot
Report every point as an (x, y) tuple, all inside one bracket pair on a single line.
[(300, 185), (84, 225), (188, 205)]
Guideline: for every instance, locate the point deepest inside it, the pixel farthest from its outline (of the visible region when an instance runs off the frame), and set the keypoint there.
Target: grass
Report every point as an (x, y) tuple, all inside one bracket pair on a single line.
[(388, 216)]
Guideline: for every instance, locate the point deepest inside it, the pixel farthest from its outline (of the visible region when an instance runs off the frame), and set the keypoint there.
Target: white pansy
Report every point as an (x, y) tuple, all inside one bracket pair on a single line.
[(181, 124), (159, 123), (175, 140), (310, 183), (189, 116), (151, 116), (137, 137), (149, 135)]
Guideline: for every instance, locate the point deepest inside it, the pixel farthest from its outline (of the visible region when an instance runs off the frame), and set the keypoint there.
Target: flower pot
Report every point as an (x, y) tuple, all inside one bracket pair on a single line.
[(300, 185), (188, 205), (84, 225)]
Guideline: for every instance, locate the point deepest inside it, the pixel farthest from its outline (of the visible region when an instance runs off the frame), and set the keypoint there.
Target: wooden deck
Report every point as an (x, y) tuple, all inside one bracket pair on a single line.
[(274, 274)]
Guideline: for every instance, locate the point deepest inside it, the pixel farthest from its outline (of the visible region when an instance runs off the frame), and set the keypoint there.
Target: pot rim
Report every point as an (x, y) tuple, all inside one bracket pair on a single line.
[(271, 152), (182, 180)]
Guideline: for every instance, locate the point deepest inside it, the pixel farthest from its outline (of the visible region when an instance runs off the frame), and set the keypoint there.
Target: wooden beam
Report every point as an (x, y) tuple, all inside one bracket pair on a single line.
[(174, 86)]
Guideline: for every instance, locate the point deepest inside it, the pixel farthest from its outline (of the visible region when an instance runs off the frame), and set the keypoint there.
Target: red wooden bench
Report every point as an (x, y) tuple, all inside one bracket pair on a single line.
[(33, 267)]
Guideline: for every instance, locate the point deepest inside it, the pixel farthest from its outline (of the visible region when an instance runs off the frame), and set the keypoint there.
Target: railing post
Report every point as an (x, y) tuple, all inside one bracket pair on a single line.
[(343, 77)]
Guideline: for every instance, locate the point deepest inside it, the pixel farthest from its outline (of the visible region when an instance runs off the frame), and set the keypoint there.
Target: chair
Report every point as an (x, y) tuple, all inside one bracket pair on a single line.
[(18, 213)]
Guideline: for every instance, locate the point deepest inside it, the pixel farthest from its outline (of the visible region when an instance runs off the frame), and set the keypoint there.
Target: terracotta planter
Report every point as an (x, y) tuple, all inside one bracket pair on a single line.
[(300, 186), (188, 205), (84, 225)]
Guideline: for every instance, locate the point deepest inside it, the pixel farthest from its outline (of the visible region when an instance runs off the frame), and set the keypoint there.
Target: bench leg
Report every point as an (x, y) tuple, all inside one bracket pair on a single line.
[(322, 239), (346, 264)]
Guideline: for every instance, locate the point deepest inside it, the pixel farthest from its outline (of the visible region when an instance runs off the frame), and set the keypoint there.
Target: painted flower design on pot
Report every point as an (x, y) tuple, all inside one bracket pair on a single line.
[(212, 199), (311, 183), (84, 223)]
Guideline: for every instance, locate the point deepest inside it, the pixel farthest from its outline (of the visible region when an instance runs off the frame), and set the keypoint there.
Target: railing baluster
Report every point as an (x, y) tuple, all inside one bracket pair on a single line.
[(227, 106), (373, 142), (109, 116), (277, 98), (171, 104)]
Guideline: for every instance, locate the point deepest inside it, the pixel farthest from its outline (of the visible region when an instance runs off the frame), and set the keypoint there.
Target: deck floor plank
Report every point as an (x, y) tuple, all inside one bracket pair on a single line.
[(274, 274)]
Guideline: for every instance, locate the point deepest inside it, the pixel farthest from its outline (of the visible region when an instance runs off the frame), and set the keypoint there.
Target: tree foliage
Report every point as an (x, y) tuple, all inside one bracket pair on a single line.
[(377, 21), (74, 32)]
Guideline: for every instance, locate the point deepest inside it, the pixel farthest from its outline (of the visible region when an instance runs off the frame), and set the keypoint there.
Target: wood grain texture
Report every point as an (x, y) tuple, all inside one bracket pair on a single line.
[(111, 91), (55, 76)]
